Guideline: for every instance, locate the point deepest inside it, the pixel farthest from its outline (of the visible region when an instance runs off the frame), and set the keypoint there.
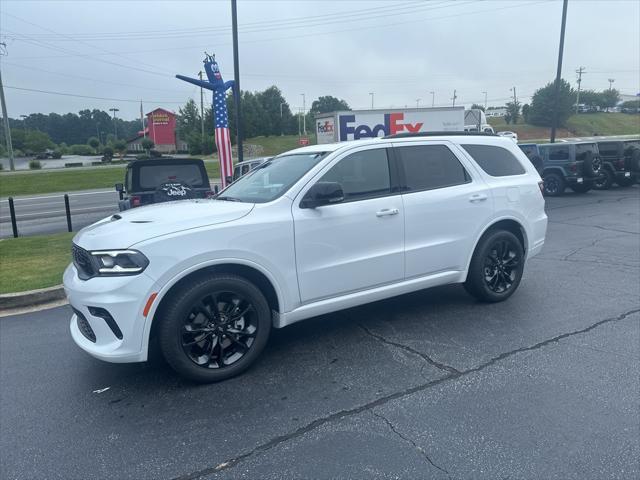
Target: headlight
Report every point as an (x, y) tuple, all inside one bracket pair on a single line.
[(119, 262)]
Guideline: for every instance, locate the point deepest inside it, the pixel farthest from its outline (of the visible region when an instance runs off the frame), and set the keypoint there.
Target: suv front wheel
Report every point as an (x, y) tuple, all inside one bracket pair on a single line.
[(496, 267), (214, 328)]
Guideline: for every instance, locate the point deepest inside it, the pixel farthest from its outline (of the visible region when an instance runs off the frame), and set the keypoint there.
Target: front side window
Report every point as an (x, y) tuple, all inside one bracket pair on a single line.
[(362, 174), (271, 179), (430, 166), (559, 153), (495, 161)]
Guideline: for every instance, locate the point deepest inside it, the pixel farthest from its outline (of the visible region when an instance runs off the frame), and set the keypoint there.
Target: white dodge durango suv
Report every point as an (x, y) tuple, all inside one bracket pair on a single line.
[(314, 230)]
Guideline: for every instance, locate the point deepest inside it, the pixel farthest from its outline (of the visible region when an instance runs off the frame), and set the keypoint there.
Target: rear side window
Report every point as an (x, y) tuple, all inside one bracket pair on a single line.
[(583, 149), (495, 161), (558, 153), (431, 166), (152, 176), (362, 174), (608, 149), (529, 150)]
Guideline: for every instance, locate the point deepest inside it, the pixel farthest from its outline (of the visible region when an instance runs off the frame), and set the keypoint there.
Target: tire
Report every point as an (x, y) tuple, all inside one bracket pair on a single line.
[(214, 328), (581, 188), (591, 165), (496, 267), (554, 185), (625, 181), (605, 181)]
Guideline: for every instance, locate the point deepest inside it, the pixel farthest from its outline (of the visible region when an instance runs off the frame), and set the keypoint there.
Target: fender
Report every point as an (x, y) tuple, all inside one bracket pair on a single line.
[(486, 228), (164, 289)]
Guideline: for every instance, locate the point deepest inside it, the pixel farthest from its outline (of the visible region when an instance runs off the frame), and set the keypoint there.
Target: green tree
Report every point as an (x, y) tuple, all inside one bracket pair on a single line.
[(94, 143), (610, 98), (275, 110), (188, 121), (476, 106), (513, 112), (525, 112), (328, 104), (120, 147), (591, 98), (543, 104), (37, 142), (147, 144)]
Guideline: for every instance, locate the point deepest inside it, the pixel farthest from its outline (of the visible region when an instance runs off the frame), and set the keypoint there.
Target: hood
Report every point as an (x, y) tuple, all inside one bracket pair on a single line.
[(127, 228)]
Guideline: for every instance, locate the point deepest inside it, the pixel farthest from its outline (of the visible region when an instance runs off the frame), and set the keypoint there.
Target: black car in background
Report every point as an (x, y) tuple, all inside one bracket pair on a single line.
[(158, 180), (618, 163)]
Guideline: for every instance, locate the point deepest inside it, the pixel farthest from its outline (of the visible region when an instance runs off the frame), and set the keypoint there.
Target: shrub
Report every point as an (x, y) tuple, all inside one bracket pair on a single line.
[(56, 154), (107, 151), (3, 151), (81, 149), (35, 165), (1, 166)]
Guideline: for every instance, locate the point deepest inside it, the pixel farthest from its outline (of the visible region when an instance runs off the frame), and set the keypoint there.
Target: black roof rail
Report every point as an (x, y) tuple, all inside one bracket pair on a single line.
[(440, 134)]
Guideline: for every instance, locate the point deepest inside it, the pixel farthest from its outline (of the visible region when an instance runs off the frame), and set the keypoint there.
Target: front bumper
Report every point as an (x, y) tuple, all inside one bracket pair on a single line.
[(124, 298)]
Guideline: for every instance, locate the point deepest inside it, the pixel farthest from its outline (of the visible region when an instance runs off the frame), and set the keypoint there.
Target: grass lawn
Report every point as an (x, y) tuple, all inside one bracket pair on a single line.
[(68, 180), (583, 125), (33, 262)]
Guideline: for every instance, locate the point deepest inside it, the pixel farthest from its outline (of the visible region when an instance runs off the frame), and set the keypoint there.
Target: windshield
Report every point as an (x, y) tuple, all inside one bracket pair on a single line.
[(271, 179)]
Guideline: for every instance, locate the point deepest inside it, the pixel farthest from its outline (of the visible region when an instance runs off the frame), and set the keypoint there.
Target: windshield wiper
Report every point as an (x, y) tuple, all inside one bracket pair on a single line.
[(228, 199)]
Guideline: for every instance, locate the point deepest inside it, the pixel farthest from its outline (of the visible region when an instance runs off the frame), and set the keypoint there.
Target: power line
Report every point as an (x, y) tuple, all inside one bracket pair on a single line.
[(50, 92)]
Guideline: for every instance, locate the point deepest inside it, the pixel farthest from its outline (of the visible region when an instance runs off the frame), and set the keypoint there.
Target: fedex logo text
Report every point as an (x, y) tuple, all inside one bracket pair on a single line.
[(326, 127), (392, 125)]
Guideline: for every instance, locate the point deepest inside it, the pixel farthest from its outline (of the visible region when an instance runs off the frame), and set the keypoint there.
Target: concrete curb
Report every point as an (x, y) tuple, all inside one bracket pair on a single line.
[(31, 298)]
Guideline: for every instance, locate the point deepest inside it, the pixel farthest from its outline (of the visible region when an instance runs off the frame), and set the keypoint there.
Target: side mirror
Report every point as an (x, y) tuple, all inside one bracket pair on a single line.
[(119, 187), (323, 193), (229, 179)]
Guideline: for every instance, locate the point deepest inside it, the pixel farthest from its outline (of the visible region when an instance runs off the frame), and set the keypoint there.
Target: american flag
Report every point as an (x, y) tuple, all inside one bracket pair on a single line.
[(223, 137)]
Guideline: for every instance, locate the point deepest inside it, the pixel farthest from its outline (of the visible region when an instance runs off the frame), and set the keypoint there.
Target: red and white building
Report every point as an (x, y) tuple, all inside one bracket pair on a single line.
[(161, 129)]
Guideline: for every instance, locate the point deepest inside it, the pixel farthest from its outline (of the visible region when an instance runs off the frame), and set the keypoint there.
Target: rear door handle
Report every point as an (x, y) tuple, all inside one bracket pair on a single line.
[(478, 197), (387, 211)]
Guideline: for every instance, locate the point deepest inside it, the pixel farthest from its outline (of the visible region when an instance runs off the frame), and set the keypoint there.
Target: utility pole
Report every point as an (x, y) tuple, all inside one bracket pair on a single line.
[(304, 114), (580, 71), (115, 125), (485, 100), (554, 123), (433, 98), (236, 73), (418, 102), (371, 93), (454, 97), (201, 109), (144, 133), (7, 130), (610, 80)]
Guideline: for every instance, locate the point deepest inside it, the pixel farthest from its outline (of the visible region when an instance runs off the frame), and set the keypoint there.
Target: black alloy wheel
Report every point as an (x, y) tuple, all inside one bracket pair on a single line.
[(501, 266), (554, 185), (214, 328), (496, 267), (219, 330), (604, 181)]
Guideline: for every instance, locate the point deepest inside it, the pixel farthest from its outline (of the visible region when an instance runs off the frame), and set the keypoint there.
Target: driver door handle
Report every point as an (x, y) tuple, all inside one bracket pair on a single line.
[(478, 197), (387, 211)]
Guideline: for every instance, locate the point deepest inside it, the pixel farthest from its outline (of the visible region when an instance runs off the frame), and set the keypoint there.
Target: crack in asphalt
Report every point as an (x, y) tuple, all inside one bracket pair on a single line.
[(319, 422), (592, 244), (595, 262), (409, 440), (424, 356), (595, 226)]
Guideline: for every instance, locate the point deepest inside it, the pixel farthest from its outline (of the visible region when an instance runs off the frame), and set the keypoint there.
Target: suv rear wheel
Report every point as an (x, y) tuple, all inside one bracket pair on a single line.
[(605, 181), (215, 328), (496, 267), (554, 184)]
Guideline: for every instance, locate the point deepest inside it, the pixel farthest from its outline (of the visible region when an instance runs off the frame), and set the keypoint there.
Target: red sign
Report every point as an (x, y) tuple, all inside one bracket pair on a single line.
[(304, 141)]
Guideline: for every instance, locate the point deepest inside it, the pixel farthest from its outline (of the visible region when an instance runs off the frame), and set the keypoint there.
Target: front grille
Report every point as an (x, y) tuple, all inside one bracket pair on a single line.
[(83, 262), (84, 326)]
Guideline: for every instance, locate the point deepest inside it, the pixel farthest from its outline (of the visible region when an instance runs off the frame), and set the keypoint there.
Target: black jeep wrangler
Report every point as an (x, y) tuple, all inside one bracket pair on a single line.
[(618, 163), (162, 180), (576, 165)]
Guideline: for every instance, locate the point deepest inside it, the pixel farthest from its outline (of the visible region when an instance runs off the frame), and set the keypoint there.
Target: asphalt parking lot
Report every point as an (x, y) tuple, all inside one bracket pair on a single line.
[(426, 385)]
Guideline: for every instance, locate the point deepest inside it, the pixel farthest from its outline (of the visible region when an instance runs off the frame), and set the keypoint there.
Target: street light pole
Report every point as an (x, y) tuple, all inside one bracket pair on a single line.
[(7, 130), (485, 100), (418, 102), (371, 93), (454, 98), (281, 127), (304, 114), (554, 122), (236, 74), (433, 98), (115, 125), (611, 80)]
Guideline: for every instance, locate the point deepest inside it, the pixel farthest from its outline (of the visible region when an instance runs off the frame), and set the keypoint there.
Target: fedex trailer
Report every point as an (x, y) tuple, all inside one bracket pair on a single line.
[(357, 124)]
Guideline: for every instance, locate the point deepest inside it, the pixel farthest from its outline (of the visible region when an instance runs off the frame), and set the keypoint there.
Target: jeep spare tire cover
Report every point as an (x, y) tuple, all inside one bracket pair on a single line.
[(175, 190), (591, 164)]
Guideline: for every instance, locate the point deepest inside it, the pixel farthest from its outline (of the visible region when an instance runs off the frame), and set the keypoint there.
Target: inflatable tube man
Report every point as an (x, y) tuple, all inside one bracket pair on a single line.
[(220, 117)]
